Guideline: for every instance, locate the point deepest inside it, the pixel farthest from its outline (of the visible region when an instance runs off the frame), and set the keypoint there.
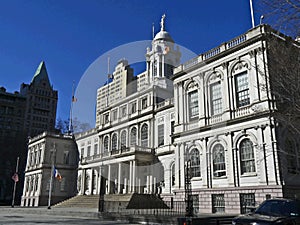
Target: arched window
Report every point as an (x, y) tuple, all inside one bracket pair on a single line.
[(247, 156), (105, 146), (123, 140), (114, 143), (219, 168), (133, 136), (195, 163), (144, 135)]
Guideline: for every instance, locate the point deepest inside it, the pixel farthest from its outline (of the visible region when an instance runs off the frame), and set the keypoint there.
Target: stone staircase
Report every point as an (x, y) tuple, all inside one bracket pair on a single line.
[(80, 201)]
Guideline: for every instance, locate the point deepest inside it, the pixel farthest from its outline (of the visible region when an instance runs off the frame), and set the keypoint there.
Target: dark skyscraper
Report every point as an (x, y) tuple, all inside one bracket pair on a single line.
[(41, 102), (22, 114)]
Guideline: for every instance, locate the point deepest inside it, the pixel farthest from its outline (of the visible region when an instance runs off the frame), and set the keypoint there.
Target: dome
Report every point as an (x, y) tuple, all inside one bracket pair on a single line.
[(163, 35)]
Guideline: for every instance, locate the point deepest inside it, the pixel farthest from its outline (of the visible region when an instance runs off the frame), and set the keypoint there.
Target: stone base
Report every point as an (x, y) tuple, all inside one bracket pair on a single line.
[(118, 202)]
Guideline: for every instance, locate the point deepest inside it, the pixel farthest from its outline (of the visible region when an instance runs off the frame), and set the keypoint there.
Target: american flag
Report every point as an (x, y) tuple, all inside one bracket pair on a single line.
[(15, 177), (57, 175)]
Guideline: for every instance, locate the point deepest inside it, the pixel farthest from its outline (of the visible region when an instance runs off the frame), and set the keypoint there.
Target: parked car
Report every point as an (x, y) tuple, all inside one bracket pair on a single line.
[(272, 211)]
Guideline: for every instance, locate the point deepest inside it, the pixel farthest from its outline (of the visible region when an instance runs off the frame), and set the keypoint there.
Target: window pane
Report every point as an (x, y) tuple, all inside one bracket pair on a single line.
[(193, 103), (219, 161), (123, 140), (144, 136), (218, 203), (160, 133), (242, 89), (105, 145), (133, 137), (247, 202), (216, 98), (195, 163), (247, 156), (114, 143)]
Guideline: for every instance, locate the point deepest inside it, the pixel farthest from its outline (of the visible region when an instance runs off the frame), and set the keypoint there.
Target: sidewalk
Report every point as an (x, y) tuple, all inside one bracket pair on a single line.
[(203, 219), (73, 212)]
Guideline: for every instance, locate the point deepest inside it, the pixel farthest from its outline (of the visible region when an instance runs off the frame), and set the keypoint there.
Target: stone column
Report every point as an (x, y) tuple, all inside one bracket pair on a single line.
[(150, 184), (147, 184), (133, 176), (177, 166), (130, 177), (182, 163), (139, 185), (99, 179), (109, 179), (119, 178), (91, 181), (83, 182)]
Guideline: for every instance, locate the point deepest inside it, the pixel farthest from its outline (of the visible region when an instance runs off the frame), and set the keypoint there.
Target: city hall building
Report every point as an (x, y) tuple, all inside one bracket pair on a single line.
[(215, 115)]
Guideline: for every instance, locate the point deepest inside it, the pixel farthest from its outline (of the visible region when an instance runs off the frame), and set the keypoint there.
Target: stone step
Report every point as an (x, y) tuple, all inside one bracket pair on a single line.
[(80, 201)]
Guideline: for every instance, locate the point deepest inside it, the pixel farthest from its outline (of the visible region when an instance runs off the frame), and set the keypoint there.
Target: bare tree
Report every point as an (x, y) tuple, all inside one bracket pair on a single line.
[(283, 15), (282, 81), (78, 126)]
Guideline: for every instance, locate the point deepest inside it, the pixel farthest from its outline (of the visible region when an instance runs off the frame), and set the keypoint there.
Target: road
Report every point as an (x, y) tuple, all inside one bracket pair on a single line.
[(21, 218)]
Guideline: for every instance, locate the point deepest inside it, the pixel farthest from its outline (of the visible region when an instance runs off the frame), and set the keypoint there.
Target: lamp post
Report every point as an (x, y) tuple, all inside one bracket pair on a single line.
[(188, 190)]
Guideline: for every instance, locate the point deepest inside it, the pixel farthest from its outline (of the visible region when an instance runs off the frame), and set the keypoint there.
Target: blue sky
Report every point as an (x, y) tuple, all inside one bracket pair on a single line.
[(70, 35)]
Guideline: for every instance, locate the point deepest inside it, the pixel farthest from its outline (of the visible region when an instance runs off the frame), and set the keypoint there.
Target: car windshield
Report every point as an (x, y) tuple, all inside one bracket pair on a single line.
[(279, 208)]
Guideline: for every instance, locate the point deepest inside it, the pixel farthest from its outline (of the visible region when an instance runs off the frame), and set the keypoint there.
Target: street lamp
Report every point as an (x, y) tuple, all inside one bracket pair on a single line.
[(188, 190)]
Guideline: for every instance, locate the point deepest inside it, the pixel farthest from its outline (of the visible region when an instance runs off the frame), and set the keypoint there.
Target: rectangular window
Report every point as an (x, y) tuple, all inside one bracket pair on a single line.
[(193, 104), (38, 157), (133, 107), (123, 111), (63, 184), (195, 204), (144, 103), (115, 115), (106, 118), (172, 127), (66, 158), (161, 134), (242, 89), (216, 98), (81, 152), (218, 203), (95, 149), (247, 202), (88, 151)]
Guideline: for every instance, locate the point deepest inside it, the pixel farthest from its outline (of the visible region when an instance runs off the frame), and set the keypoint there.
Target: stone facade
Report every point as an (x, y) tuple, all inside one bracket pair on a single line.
[(225, 128), (44, 151), (213, 116)]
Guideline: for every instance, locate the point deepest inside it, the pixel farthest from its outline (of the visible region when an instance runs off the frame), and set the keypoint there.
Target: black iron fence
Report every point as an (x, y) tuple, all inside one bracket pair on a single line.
[(168, 208)]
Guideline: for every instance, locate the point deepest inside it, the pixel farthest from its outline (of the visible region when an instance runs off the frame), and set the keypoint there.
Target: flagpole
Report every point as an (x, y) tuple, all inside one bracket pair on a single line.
[(252, 16), (51, 177), (152, 31), (15, 185), (70, 131), (108, 77)]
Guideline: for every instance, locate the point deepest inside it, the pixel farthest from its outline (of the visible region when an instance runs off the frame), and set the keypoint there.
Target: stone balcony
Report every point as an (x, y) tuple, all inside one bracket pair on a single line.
[(144, 154)]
